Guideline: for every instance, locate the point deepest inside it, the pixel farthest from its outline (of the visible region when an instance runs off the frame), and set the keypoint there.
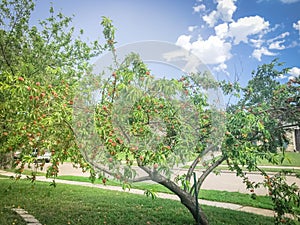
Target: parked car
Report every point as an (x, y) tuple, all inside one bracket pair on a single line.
[(41, 157), (17, 154), (46, 156)]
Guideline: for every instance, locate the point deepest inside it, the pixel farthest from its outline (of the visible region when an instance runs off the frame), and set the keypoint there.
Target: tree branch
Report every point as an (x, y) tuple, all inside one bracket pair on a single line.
[(208, 171), (195, 163), (140, 179), (6, 60), (100, 168), (124, 133)]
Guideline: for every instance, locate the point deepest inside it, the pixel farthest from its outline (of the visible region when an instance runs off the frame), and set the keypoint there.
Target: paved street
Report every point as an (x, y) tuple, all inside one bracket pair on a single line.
[(226, 181)]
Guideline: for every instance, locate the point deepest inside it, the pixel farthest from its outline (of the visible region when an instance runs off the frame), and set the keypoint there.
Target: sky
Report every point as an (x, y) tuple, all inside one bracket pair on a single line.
[(232, 37)]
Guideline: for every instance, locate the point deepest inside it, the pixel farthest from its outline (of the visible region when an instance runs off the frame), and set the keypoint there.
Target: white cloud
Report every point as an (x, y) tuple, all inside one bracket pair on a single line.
[(297, 26), (277, 45), (192, 28), (221, 30), (289, 1), (257, 42), (221, 68), (211, 19), (276, 27), (281, 36), (246, 26), (293, 44), (258, 53), (226, 8), (295, 72), (224, 12), (277, 42), (214, 50), (184, 41), (199, 8)]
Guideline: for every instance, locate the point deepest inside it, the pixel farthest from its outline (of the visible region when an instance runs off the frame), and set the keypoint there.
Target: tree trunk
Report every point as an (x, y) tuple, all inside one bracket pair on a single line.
[(189, 202), (186, 199), (5, 160)]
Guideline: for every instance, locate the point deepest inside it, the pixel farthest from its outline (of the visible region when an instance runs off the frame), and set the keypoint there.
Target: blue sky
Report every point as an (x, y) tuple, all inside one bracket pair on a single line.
[(232, 37)]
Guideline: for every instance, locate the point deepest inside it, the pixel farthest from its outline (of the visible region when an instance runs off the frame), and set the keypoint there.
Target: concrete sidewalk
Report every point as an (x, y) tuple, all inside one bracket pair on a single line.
[(258, 211)]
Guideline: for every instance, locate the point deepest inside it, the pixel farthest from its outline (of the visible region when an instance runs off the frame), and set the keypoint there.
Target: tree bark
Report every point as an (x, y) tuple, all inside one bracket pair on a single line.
[(190, 203), (187, 199)]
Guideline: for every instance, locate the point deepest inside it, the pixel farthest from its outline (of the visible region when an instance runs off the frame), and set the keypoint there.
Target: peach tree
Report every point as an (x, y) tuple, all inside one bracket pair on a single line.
[(133, 126)]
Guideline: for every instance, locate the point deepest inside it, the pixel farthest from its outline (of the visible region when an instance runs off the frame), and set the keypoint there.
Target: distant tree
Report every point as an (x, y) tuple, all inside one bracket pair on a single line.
[(39, 66)]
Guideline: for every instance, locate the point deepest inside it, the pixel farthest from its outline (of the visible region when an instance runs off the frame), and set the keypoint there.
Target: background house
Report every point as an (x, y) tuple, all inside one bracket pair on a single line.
[(294, 137)]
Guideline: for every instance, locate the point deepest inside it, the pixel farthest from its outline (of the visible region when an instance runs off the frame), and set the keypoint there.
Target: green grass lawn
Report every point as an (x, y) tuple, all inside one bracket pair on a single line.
[(292, 159), (68, 204), (212, 195)]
